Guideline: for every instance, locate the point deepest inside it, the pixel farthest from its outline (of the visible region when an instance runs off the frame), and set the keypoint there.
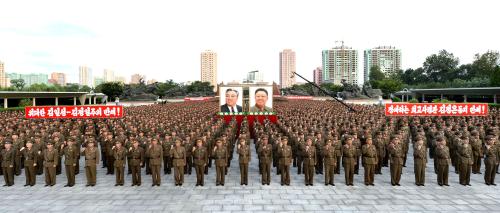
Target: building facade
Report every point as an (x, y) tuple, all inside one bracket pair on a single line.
[(340, 63), (209, 67), (108, 75), (387, 58), (318, 75), (85, 76), (287, 68), (58, 78)]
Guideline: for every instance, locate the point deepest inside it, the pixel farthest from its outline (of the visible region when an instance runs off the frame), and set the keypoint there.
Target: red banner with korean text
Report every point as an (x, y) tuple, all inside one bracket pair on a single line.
[(90, 111), (436, 109)]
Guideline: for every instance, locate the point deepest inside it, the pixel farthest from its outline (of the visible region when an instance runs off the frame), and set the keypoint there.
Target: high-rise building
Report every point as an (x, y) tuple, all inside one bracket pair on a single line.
[(254, 77), (136, 78), (209, 67), (318, 75), (3, 76), (120, 79), (98, 81), (85, 76), (387, 58), (287, 68), (108, 75), (340, 63), (58, 78), (30, 79)]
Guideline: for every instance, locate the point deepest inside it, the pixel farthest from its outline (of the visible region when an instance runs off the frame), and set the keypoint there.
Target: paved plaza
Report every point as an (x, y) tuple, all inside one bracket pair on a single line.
[(232, 197)]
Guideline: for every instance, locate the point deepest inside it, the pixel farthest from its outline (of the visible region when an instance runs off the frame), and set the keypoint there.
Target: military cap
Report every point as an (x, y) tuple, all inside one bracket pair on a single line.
[(8, 142), (50, 143), (490, 137)]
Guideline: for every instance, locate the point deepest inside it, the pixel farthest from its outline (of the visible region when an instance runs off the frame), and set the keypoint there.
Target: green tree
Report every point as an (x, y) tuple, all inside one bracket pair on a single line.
[(376, 74), (495, 77), (18, 83), (112, 89), (332, 88), (484, 65), (389, 86), (441, 67)]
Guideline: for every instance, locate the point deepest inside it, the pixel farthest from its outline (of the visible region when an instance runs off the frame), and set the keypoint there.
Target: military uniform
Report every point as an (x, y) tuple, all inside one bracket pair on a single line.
[(330, 161), (285, 159), (309, 164), (188, 146), (370, 159), (244, 159), (178, 155), (71, 155), (477, 153), (490, 161), (120, 156), (442, 158), (396, 157), (30, 160), (349, 161), (91, 161), (8, 158), (420, 161), (338, 154), (136, 159), (155, 154), (465, 159), (221, 157), (167, 159), (50, 162), (265, 158), (200, 155)]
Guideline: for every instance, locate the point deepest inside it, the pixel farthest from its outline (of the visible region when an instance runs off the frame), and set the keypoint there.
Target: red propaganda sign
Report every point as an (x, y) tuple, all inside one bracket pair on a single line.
[(197, 98), (299, 97), (435, 109), (90, 111)]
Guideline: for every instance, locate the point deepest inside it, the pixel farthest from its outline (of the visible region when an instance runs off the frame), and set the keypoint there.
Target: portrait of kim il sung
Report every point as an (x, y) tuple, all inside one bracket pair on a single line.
[(231, 99), (261, 99)]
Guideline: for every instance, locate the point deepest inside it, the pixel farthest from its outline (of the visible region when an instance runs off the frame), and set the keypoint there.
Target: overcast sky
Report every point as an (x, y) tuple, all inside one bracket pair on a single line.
[(163, 39)]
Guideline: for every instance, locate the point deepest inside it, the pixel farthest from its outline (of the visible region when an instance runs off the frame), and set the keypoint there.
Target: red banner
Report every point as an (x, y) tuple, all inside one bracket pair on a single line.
[(436, 109), (90, 111), (197, 98), (299, 97)]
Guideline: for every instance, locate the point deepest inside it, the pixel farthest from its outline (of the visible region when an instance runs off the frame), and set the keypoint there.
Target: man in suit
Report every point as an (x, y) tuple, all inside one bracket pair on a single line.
[(261, 97), (231, 99)]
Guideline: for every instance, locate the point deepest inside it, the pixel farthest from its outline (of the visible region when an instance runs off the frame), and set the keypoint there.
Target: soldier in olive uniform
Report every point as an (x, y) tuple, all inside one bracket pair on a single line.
[(221, 156), (120, 156), (244, 159), (356, 143), (136, 154), (477, 152), (50, 156), (265, 157), (17, 144), (330, 161), (167, 159), (155, 154), (285, 159), (420, 161), (110, 160), (8, 158), (200, 155), (380, 144), (465, 159), (349, 160), (71, 154), (178, 154), (91, 154), (338, 154), (370, 159), (490, 160), (396, 161), (442, 158), (309, 157), (30, 159)]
